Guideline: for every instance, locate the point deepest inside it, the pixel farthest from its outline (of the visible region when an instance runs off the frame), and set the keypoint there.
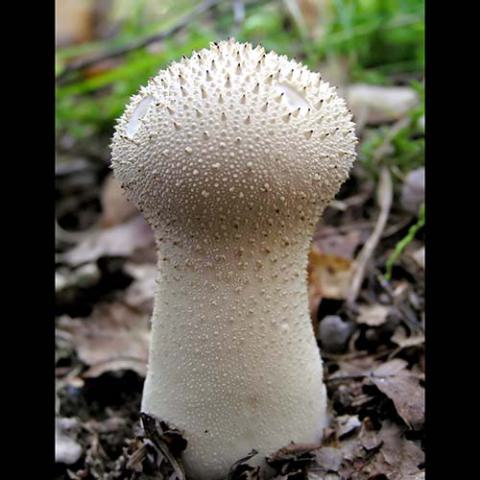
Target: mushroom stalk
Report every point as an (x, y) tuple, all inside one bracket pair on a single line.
[(233, 359), (232, 156)]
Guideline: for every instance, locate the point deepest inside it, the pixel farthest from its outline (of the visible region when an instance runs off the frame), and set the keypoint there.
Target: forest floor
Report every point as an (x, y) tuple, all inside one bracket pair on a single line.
[(366, 269), (367, 312)]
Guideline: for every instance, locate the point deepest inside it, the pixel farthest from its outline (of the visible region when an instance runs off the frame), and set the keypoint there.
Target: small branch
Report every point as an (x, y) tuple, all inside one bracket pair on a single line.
[(405, 311), (358, 376), (182, 23), (385, 195), (396, 128)]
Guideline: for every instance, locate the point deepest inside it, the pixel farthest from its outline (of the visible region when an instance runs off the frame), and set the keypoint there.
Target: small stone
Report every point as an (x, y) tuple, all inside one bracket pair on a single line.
[(334, 333)]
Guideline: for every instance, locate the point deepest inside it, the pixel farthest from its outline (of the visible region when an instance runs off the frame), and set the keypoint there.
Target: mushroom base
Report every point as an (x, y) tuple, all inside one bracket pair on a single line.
[(233, 361)]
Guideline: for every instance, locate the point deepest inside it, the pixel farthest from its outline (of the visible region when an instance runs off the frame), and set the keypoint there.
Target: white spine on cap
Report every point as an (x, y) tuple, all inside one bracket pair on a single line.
[(232, 155)]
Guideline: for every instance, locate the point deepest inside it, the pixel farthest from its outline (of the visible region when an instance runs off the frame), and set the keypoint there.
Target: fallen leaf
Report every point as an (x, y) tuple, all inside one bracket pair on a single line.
[(404, 341), (373, 315), (329, 276), (140, 292), (346, 424), (85, 276), (360, 366), (404, 389), (391, 368), (118, 241), (330, 242), (116, 208), (316, 14), (330, 266), (114, 337), (74, 21), (293, 460), (397, 458), (67, 449), (353, 457), (329, 458), (372, 104), (384, 454)]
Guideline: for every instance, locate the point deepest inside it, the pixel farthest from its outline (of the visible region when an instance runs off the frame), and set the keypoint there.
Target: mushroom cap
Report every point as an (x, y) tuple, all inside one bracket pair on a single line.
[(233, 125)]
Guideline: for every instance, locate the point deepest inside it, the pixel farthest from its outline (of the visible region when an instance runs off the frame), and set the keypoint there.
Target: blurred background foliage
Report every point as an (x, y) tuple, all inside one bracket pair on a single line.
[(375, 42)]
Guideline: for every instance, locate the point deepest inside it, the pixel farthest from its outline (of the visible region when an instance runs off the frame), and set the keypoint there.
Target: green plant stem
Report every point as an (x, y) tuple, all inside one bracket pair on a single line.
[(404, 242)]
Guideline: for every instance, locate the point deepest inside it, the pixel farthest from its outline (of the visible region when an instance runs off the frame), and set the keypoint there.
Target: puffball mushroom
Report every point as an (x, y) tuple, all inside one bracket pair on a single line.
[(232, 155)]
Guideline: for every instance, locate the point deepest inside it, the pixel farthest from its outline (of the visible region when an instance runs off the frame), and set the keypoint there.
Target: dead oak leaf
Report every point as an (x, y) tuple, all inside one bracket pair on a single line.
[(403, 388), (397, 457), (329, 276), (385, 453), (118, 241), (114, 337), (116, 208), (67, 448)]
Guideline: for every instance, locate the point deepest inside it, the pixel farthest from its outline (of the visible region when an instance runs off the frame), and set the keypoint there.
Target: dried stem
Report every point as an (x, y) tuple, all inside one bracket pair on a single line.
[(385, 195), (184, 22)]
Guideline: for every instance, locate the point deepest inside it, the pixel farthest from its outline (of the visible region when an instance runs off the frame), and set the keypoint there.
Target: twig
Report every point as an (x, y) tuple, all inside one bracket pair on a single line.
[(384, 198), (293, 8), (184, 22), (396, 128), (340, 378), (406, 312), (180, 25), (345, 357)]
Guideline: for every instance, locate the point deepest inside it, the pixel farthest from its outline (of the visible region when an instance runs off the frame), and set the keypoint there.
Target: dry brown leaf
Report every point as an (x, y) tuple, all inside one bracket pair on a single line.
[(140, 292), (114, 337), (119, 241), (385, 453), (404, 341), (67, 449), (355, 367), (116, 208), (404, 389), (330, 266), (329, 276), (397, 457), (346, 424), (331, 242), (74, 21), (316, 14), (390, 368), (373, 315), (329, 458)]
